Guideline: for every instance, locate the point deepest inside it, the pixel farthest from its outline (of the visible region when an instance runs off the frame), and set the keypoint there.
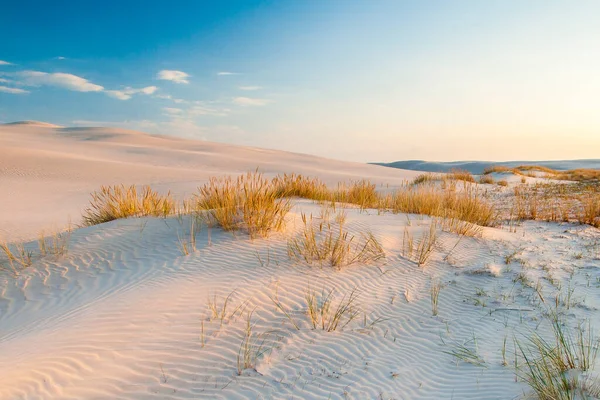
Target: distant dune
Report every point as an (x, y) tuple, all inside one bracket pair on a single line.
[(47, 172), (33, 123), (477, 167)]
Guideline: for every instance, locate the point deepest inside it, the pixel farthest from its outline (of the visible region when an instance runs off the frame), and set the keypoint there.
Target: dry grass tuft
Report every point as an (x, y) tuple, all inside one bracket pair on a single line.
[(421, 250), (250, 202), (57, 244), (115, 202), (460, 175), (328, 242), (486, 179), (323, 314), (466, 205), (188, 245), (575, 175), (435, 288), (362, 193), (426, 178), (253, 346), (590, 210), (293, 185), (556, 202), (17, 255)]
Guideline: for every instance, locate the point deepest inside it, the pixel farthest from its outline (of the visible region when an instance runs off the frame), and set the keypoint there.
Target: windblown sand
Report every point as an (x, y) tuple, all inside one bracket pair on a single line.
[(126, 315)]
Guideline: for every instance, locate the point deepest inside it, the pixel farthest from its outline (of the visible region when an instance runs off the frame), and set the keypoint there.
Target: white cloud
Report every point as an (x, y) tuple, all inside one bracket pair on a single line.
[(204, 110), (199, 108), (148, 90), (225, 73), (169, 97), (6, 89), (172, 111), (250, 87), (248, 101), (2, 80), (59, 79), (118, 94), (5, 63), (174, 76), (128, 92), (13, 90), (60, 58)]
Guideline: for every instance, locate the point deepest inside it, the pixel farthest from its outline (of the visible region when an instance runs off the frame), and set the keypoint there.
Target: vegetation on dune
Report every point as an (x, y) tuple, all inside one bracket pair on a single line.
[(461, 175), (576, 175), (250, 202), (452, 175), (328, 242), (466, 205), (259, 205), (556, 202), (20, 255), (486, 179), (120, 201), (553, 367)]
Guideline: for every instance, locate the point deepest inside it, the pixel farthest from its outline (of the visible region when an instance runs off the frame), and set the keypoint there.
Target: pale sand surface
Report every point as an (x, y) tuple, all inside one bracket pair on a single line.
[(48, 173), (125, 315)]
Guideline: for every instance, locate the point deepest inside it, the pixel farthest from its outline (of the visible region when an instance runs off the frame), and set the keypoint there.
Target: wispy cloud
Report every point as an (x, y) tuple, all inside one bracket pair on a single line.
[(198, 109), (173, 76), (2, 80), (59, 79), (5, 89), (172, 110), (128, 92), (250, 87), (169, 97), (248, 101), (201, 109), (5, 63), (60, 58), (225, 73)]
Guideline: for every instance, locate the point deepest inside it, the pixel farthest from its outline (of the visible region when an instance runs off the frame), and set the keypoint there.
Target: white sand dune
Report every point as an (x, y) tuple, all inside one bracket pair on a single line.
[(47, 173), (125, 315)]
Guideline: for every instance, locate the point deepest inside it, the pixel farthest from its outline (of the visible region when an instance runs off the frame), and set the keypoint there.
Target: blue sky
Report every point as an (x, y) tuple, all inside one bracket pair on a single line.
[(357, 80)]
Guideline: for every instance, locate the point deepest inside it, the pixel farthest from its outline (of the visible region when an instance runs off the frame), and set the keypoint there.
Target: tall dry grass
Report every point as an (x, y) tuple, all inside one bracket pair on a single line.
[(330, 243), (584, 175), (249, 202), (460, 175), (17, 255), (259, 205), (555, 202), (295, 185), (466, 205), (120, 201)]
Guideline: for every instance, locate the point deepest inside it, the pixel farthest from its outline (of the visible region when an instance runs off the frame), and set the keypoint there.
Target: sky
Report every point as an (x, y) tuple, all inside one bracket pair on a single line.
[(358, 80)]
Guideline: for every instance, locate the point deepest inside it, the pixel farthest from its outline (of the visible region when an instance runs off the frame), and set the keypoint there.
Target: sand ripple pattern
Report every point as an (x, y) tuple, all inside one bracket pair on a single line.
[(126, 316)]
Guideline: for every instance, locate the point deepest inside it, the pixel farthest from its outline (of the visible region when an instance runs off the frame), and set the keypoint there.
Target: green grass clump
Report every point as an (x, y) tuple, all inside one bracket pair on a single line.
[(552, 368)]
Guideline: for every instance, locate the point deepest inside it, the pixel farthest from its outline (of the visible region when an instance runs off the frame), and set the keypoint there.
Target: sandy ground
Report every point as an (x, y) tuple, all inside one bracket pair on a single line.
[(47, 173), (126, 315)]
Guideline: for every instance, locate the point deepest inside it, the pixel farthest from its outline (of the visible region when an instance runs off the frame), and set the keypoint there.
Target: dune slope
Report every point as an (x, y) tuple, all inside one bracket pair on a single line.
[(126, 314), (48, 172)]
